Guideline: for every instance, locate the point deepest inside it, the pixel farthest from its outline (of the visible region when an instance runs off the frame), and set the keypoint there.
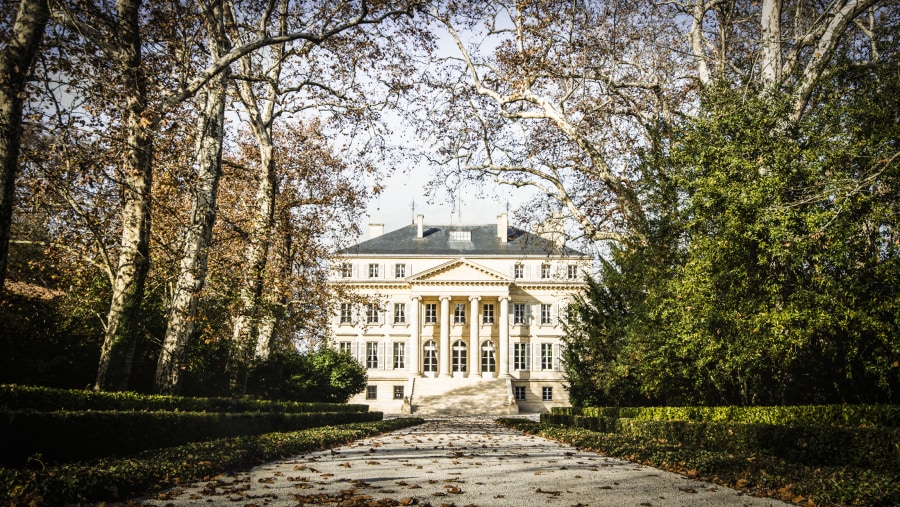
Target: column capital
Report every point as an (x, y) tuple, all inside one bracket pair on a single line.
[(474, 299), (445, 298), (504, 298), (415, 298)]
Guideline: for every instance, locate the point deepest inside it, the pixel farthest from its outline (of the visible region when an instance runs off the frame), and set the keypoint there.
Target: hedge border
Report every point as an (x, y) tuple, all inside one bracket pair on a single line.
[(117, 479), (16, 397)]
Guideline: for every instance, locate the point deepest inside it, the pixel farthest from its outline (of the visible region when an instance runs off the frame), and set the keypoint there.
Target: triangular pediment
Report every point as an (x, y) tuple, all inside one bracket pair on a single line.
[(459, 270)]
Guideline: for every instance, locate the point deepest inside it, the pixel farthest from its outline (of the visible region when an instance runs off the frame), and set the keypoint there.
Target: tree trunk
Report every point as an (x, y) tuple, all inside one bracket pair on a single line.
[(122, 325), (16, 60), (770, 24), (192, 272)]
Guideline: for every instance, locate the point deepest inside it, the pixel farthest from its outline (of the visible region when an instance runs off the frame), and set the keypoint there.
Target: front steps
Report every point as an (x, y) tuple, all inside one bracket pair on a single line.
[(461, 396)]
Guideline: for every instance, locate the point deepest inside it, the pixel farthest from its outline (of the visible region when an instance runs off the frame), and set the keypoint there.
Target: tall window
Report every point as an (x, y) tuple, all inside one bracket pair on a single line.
[(346, 270), (487, 312), (546, 356), (545, 271), (459, 314), (430, 359), (399, 313), (371, 392), (546, 317), (371, 354), (458, 360), (519, 313), (519, 271), (520, 356), (547, 394), (488, 359), (399, 270), (572, 271), (372, 313), (399, 355), (430, 313), (346, 313), (373, 270)]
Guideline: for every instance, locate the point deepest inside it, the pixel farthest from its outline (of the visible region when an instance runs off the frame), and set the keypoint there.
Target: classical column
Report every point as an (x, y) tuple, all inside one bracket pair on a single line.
[(415, 368), (503, 353), (444, 350), (474, 346)]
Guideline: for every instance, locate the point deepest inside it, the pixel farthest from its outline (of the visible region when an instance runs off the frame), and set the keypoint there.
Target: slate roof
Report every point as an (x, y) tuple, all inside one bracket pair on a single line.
[(436, 241)]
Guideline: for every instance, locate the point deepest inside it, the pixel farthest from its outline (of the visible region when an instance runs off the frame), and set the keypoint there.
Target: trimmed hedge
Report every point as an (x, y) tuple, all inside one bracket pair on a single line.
[(13, 397), (807, 415), (115, 479), (70, 436), (757, 473)]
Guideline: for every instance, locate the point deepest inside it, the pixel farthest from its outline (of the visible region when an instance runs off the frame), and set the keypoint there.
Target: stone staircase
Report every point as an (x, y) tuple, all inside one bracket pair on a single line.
[(467, 396)]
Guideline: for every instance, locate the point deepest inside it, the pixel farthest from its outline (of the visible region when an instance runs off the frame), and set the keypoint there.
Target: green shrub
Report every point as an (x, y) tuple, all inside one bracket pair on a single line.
[(15, 397), (104, 433), (115, 479)]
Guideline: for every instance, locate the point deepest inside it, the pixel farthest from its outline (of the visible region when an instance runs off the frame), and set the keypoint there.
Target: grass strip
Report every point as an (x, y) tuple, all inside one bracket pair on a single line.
[(117, 478), (758, 474)]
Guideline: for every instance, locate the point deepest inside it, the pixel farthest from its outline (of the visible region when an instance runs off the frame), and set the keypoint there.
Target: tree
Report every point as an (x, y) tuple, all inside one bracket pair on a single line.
[(20, 46)]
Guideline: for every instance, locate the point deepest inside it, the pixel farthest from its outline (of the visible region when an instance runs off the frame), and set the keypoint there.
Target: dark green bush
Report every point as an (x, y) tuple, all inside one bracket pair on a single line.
[(104, 433), (116, 479), (14, 397), (323, 375)]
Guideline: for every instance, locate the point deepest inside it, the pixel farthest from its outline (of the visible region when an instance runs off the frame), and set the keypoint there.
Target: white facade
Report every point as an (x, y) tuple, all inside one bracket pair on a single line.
[(458, 318)]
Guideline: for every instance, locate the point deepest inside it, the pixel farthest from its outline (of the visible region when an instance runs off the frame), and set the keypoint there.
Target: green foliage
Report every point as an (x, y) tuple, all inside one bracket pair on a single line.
[(115, 478), (323, 375), (770, 269), (810, 415), (106, 433), (756, 472), (13, 397)]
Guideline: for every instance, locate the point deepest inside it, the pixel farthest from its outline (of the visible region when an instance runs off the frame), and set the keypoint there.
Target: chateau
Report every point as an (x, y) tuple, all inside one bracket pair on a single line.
[(458, 318)]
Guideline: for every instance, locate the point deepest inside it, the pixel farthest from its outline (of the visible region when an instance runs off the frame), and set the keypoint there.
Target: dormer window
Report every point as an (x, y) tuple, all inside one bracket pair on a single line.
[(460, 235)]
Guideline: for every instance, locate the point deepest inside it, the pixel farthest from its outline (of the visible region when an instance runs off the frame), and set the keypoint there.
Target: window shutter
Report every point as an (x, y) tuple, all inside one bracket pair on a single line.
[(535, 356), (511, 314), (408, 270), (382, 271), (526, 272), (556, 353), (382, 356), (355, 270), (554, 314), (511, 356), (528, 314)]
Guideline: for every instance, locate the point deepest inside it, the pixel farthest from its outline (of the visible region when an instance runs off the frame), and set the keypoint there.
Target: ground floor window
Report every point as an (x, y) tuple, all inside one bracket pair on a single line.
[(371, 392), (346, 347), (547, 394), (459, 356), (430, 359), (398, 392), (488, 359), (519, 392)]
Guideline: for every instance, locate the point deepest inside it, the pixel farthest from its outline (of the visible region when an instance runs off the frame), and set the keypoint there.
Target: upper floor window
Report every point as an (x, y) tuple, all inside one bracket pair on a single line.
[(520, 356), (399, 313), (372, 313), (519, 271), (546, 356), (487, 312), (373, 270), (430, 313), (459, 314), (572, 271), (346, 347), (400, 271), (519, 314), (346, 270), (546, 316), (371, 354), (346, 313), (399, 355), (545, 271)]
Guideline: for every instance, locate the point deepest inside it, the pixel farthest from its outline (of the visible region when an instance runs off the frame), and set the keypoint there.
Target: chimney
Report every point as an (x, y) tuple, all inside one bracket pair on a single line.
[(375, 230), (419, 226), (502, 226)]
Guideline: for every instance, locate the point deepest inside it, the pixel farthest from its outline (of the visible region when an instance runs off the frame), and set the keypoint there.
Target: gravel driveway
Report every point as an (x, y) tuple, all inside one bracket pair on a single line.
[(462, 461)]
